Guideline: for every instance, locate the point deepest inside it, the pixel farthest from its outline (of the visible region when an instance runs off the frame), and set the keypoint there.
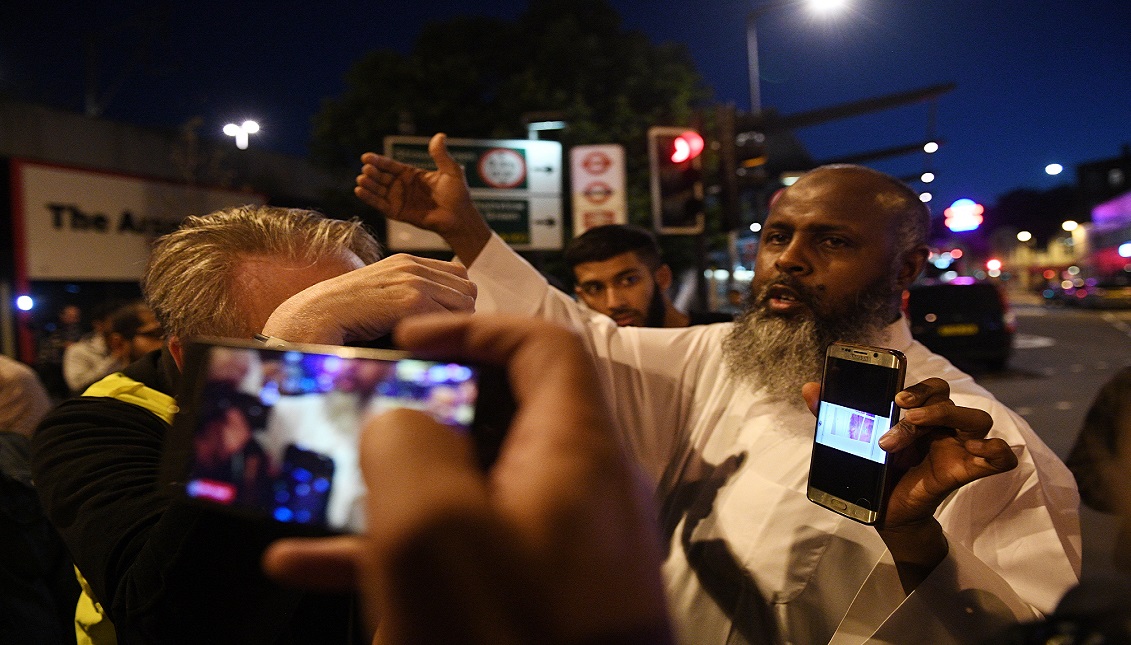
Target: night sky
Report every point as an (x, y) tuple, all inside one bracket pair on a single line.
[(1038, 81)]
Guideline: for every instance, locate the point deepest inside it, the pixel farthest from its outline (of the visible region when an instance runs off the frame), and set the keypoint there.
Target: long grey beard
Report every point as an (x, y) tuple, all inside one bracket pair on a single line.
[(780, 354)]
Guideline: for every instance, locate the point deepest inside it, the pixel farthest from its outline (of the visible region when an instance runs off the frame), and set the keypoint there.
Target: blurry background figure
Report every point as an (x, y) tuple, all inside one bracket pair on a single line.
[(618, 271), (1101, 459), (58, 337), (226, 448), (38, 589), (23, 399), (89, 359), (134, 332)]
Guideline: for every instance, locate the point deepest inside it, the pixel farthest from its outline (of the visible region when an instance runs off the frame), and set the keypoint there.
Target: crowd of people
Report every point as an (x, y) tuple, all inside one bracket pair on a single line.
[(651, 489)]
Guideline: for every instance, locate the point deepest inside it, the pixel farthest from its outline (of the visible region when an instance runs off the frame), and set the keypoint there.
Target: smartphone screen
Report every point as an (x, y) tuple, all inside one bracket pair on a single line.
[(848, 473), (274, 432)]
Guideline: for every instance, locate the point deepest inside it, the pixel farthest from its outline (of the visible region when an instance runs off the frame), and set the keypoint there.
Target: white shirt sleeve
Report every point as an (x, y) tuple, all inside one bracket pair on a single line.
[(961, 601)]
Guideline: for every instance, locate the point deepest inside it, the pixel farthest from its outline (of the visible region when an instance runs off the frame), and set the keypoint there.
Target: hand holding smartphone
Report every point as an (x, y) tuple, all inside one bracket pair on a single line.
[(273, 432), (848, 473)]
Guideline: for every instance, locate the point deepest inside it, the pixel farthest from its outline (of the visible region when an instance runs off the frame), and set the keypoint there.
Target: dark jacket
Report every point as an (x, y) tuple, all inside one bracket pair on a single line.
[(38, 589), (165, 571)]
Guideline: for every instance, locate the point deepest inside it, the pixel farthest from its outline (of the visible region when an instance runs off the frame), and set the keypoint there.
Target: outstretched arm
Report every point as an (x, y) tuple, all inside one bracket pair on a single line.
[(436, 200)]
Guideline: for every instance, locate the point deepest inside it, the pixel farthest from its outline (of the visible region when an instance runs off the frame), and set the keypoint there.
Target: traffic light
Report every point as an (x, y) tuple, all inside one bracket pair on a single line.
[(675, 158), (750, 159)]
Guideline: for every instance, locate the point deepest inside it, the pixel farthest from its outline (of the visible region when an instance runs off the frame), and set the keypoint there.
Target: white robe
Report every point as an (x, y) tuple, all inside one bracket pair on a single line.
[(751, 559)]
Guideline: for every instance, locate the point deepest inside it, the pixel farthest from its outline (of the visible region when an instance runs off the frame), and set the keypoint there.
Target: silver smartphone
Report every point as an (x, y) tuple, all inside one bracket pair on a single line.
[(848, 473)]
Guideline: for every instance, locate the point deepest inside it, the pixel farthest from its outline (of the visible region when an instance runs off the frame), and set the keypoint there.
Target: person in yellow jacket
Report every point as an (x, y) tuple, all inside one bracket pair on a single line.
[(156, 569)]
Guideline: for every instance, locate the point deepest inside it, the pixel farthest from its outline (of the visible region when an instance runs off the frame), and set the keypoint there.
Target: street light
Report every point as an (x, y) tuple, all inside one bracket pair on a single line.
[(241, 131), (1054, 169), (823, 7)]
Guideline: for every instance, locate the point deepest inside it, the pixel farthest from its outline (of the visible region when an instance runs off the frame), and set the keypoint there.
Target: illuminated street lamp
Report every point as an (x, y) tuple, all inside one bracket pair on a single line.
[(931, 147), (1069, 225), (822, 7), (1024, 236), (1054, 169), (241, 132), (927, 177)]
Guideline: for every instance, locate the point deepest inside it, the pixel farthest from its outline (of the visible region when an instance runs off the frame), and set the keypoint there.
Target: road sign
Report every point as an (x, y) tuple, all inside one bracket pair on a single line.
[(597, 186), (515, 183)]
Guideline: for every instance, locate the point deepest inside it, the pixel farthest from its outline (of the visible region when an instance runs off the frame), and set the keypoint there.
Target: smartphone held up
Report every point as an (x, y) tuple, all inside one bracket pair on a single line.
[(849, 471), (274, 433)]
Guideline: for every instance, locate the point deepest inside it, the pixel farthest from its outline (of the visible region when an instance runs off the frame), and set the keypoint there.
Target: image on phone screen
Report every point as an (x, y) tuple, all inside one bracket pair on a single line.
[(848, 471), (856, 408), (276, 432)]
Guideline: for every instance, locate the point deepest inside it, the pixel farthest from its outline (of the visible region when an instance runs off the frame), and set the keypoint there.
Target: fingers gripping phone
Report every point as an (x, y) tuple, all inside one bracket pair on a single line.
[(849, 471), (273, 433)]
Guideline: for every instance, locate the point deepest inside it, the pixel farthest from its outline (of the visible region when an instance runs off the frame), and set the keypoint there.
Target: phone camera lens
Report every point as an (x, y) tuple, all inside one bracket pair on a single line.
[(875, 355)]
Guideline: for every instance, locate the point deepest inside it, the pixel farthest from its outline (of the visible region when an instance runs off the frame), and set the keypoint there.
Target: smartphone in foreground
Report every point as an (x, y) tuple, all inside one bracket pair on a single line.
[(273, 433), (848, 472)]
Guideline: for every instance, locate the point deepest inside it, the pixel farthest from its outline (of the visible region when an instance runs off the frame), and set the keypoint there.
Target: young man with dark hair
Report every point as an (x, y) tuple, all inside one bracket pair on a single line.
[(618, 271)]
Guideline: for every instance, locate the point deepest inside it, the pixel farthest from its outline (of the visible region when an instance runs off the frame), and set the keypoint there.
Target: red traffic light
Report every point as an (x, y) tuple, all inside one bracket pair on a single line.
[(688, 145)]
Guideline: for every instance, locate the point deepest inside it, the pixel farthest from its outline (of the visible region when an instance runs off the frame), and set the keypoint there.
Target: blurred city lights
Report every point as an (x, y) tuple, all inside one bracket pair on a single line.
[(1054, 169), (24, 303), (241, 131), (927, 177), (993, 264), (956, 253), (963, 215), (1069, 225), (1125, 250), (755, 227), (1024, 236), (930, 147), (925, 197)]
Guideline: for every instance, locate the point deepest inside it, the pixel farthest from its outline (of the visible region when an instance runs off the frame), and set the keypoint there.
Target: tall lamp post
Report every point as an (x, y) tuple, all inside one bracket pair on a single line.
[(817, 6)]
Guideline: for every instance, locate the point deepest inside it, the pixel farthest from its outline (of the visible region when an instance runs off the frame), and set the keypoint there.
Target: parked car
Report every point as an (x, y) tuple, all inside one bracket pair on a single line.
[(967, 322)]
